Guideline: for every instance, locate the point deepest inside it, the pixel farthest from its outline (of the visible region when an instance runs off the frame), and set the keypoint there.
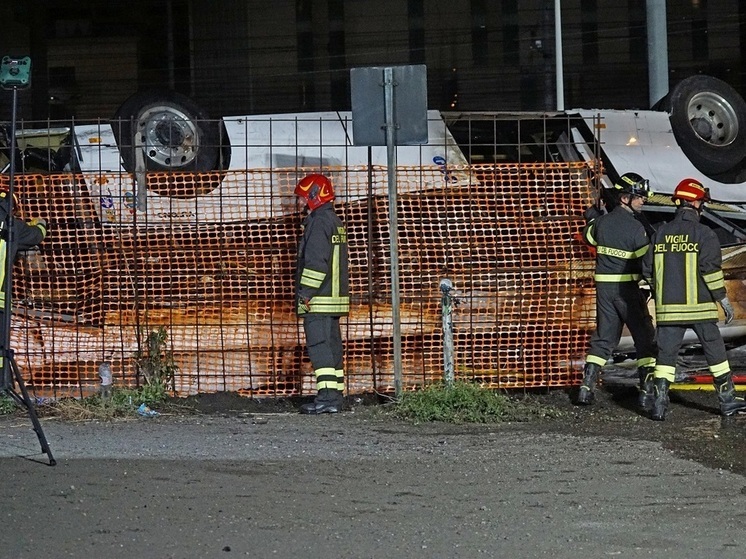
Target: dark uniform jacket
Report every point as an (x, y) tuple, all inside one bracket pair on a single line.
[(684, 270), (621, 242), (25, 236), (322, 272)]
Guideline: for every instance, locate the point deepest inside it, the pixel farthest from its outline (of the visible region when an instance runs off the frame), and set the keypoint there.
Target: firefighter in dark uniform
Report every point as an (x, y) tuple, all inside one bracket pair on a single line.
[(684, 270), (621, 240), (322, 291), (26, 235)]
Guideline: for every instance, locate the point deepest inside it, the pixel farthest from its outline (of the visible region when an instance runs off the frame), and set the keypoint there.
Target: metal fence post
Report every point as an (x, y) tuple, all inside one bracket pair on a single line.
[(447, 302)]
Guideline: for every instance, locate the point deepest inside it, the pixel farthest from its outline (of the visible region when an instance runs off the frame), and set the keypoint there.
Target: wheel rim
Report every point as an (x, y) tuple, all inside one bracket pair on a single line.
[(713, 119), (169, 137)]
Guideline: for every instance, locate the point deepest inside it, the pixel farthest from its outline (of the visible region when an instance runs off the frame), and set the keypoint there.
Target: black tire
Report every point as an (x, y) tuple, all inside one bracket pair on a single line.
[(708, 119), (177, 135)]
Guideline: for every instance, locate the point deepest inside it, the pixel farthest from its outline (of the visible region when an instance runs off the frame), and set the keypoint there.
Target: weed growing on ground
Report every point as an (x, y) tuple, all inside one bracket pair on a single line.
[(466, 402), (7, 404), (157, 368), (122, 403)]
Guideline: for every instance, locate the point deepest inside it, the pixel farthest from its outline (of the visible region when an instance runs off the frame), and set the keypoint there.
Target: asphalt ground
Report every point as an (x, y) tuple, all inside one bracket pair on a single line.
[(235, 481)]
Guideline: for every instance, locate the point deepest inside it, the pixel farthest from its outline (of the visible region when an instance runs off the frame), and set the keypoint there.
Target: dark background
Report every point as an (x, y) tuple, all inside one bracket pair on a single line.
[(249, 57)]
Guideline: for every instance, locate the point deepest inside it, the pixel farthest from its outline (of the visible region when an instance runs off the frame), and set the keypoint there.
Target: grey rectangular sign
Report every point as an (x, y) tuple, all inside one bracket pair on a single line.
[(368, 92)]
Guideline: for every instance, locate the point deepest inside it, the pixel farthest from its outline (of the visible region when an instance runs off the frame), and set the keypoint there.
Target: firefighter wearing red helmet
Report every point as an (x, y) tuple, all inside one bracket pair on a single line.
[(26, 235), (685, 273), (620, 239), (322, 291)]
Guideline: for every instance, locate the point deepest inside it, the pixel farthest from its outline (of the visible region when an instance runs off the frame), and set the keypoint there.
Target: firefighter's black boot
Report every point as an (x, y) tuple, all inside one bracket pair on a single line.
[(590, 376), (647, 390), (660, 405), (729, 403), (326, 401)]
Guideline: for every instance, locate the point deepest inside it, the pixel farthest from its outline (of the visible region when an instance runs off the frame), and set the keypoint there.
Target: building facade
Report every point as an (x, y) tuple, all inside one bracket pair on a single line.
[(245, 56)]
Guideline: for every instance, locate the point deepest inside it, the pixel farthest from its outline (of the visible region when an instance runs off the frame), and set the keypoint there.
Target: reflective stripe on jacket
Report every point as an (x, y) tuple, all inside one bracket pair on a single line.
[(621, 242), (322, 274), (684, 267)]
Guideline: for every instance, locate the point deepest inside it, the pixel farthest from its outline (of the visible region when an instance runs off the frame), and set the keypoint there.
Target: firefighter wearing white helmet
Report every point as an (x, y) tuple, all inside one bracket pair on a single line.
[(620, 240), (684, 269), (322, 291)]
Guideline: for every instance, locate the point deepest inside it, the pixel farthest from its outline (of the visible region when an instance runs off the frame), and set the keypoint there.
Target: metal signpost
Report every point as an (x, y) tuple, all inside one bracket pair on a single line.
[(389, 107)]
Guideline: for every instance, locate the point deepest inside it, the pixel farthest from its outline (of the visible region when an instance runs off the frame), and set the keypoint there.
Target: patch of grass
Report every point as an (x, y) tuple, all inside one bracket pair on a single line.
[(7, 404), (123, 402), (466, 402)]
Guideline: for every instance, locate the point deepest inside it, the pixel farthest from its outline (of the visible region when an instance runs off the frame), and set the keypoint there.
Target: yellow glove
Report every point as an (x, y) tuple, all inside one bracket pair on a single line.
[(38, 221)]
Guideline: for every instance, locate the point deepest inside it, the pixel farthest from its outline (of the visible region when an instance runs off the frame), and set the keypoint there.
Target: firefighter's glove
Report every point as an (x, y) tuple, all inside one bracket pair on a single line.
[(304, 305), (646, 293), (728, 310), (647, 290), (592, 212), (38, 221)]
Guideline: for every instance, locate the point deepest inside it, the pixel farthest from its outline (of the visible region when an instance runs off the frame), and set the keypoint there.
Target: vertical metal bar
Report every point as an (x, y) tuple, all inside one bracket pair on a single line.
[(7, 380), (388, 92), (446, 302), (657, 50), (369, 229), (558, 56), (141, 173)]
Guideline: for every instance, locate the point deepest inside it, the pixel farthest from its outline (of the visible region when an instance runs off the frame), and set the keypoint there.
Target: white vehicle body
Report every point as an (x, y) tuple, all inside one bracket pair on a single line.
[(260, 146), (644, 142), (700, 121)]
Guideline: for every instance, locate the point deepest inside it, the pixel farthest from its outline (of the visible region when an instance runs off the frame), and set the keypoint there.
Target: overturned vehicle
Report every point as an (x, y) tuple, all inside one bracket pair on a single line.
[(165, 218)]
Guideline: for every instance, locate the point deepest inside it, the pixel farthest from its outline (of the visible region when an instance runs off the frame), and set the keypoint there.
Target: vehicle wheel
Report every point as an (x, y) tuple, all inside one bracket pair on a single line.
[(176, 135), (708, 119)]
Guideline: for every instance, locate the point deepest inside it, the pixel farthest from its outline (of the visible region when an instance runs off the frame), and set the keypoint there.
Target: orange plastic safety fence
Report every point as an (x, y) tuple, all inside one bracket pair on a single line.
[(211, 259)]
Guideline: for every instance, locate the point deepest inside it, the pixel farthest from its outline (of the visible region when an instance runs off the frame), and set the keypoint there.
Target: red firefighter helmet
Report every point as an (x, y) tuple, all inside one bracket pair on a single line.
[(691, 190), (316, 189)]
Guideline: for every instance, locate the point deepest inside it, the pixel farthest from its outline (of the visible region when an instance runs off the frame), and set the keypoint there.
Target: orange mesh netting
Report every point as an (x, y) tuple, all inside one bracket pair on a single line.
[(216, 270)]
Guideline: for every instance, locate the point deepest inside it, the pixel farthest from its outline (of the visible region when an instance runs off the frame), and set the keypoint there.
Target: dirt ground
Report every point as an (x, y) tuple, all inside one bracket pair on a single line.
[(236, 477)]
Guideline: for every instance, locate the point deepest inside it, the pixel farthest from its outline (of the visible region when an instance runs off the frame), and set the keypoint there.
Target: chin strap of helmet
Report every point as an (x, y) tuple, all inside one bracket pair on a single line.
[(628, 204)]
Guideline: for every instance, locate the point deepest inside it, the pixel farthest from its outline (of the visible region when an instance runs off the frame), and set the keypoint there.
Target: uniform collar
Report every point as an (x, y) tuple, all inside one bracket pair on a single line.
[(688, 213)]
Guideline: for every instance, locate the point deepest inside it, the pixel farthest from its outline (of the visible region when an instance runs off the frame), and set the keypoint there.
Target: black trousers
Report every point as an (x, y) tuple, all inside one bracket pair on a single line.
[(325, 349), (670, 337), (618, 304)]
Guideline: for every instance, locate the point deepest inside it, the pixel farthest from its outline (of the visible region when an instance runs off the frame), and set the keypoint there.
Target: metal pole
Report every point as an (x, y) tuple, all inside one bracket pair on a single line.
[(7, 380), (446, 302), (388, 92), (657, 50), (558, 56)]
